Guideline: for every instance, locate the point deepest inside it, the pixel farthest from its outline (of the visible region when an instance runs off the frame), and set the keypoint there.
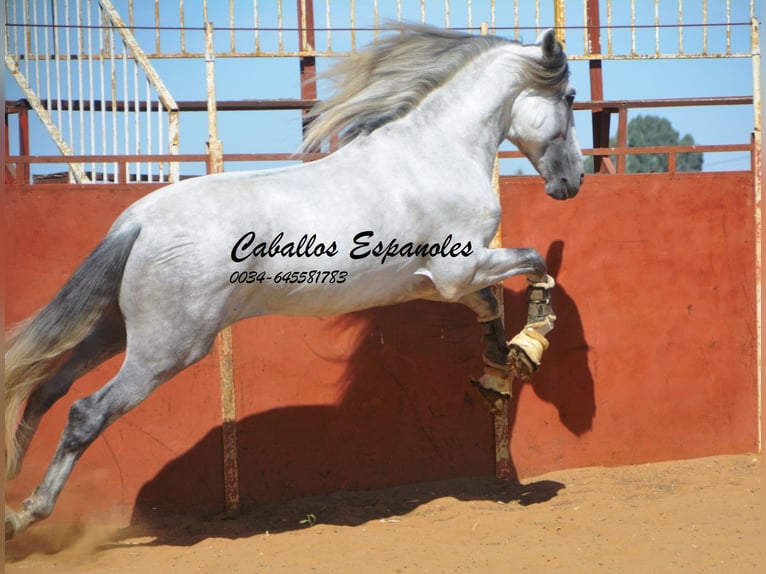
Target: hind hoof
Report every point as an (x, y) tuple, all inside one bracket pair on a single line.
[(10, 527)]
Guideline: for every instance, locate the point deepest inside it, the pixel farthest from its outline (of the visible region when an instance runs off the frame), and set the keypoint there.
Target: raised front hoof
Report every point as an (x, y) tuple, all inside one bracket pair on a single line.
[(520, 364)]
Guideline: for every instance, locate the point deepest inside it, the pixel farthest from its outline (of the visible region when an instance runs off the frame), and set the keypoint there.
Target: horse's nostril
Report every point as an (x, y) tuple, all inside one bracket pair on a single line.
[(582, 177)]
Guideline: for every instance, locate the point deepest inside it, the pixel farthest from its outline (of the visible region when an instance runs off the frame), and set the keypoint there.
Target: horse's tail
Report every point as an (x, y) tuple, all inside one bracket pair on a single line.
[(38, 345)]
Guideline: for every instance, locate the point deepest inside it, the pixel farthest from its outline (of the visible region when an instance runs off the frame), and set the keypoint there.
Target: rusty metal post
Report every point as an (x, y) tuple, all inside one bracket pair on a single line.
[(502, 432), (622, 138), (223, 343), (755, 50), (560, 20), (23, 169), (600, 117), (306, 46)]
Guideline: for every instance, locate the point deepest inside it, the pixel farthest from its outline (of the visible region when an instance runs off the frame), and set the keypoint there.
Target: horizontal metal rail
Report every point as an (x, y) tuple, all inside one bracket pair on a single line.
[(22, 163), (247, 105), (304, 104), (124, 160)]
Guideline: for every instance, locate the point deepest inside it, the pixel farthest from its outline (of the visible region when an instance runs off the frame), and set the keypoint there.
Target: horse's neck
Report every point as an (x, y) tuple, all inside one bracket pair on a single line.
[(472, 110)]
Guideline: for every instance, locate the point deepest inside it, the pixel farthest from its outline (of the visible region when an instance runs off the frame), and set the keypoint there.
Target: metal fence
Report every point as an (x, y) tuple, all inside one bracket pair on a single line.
[(253, 28), (87, 67)]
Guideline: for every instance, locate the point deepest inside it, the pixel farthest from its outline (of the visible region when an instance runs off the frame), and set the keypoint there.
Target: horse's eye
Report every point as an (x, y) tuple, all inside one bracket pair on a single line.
[(570, 99)]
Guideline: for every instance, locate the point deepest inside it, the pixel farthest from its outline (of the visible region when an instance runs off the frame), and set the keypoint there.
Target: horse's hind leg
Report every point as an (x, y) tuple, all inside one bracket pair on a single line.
[(105, 340), (485, 304), (90, 416)]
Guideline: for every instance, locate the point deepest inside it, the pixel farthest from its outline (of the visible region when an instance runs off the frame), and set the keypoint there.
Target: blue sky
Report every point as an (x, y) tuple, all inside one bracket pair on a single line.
[(240, 78)]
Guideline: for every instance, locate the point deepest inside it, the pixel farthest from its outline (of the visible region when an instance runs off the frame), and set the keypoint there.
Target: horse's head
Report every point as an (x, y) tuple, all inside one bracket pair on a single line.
[(542, 123)]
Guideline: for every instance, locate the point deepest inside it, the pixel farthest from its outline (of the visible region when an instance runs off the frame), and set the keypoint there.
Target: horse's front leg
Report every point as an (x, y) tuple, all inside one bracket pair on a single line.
[(521, 356), (526, 348)]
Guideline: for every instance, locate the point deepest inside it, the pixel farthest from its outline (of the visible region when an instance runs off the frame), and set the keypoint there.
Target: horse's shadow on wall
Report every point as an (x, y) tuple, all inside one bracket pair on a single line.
[(407, 414)]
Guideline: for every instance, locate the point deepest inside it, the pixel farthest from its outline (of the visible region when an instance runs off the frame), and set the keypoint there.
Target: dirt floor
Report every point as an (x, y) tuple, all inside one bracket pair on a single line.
[(698, 516)]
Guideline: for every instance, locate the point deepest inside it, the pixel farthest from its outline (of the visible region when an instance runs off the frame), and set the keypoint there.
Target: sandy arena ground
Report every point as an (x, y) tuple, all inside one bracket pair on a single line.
[(698, 516)]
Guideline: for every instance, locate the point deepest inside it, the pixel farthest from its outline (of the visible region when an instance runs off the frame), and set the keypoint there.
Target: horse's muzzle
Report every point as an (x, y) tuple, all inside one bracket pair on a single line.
[(563, 188)]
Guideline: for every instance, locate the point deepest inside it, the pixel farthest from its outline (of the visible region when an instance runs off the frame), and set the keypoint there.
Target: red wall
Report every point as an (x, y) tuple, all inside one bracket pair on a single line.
[(653, 357)]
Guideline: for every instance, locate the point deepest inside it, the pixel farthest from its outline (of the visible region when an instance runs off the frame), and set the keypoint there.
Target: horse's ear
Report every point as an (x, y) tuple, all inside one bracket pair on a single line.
[(550, 44)]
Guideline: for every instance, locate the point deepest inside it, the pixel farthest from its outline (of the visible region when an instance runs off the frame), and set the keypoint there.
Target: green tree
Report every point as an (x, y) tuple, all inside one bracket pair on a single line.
[(644, 131)]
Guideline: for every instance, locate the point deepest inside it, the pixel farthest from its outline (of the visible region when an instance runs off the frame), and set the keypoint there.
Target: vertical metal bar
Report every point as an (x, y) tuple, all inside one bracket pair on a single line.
[(224, 345), (328, 22), (306, 41), (182, 26), (9, 176), (136, 118), (585, 30), (28, 38), (113, 73), (633, 26), (80, 75), (599, 117), (160, 120), (302, 40), (280, 35), (57, 66), (704, 26), (559, 19), (622, 138), (91, 82), (148, 116), (255, 26), (67, 44), (446, 14), (657, 27), (125, 106), (157, 44), (46, 43), (681, 27), (173, 142), (57, 63), (36, 53), (352, 9), (500, 422), (537, 17), (760, 243), (728, 27), (8, 8), (232, 21), (608, 27), (102, 48), (23, 170)]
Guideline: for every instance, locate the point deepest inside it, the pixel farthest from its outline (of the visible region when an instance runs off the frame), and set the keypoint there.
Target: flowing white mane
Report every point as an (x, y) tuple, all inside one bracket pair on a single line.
[(390, 77)]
